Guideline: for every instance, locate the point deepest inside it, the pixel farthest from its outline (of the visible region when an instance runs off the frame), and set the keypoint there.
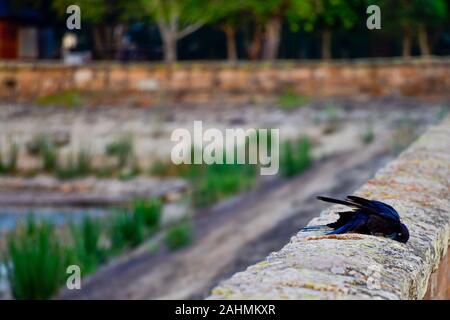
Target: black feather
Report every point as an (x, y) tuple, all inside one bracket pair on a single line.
[(368, 217), (337, 201), (344, 217)]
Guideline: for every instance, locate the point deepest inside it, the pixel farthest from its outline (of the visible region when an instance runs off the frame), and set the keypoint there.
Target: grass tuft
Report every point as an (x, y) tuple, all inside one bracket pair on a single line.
[(295, 156), (122, 149), (290, 100), (179, 236), (86, 239), (36, 261), (69, 99)]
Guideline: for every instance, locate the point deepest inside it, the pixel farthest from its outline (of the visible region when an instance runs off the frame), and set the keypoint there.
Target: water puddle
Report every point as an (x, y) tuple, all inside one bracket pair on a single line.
[(10, 217)]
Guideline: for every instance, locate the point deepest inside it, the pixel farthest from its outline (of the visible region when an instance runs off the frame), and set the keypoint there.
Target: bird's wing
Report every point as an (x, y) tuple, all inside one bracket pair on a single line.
[(357, 224), (344, 217), (388, 209), (376, 207), (350, 203)]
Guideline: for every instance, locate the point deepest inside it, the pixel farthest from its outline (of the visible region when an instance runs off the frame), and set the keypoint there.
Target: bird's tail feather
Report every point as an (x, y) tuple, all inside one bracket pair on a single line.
[(314, 228), (343, 202)]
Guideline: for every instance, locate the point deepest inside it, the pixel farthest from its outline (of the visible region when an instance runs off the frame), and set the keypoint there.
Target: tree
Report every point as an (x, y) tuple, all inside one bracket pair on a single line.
[(228, 15), (107, 19), (428, 13), (175, 19), (266, 18), (414, 17), (327, 15)]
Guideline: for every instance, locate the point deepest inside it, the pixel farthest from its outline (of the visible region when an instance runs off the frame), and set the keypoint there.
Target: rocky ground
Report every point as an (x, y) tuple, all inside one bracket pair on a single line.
[(333, 127), (330, 123)]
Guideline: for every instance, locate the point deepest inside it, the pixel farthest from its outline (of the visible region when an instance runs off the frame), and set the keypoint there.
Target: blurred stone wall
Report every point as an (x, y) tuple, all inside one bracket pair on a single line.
[(209, 82), (354, 266)]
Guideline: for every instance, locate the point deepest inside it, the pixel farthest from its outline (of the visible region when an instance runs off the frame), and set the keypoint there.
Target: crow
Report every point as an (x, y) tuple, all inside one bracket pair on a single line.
[(367, 217)]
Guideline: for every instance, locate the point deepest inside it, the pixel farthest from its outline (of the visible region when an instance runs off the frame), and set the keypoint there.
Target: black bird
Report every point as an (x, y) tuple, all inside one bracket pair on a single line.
[(367, 217)]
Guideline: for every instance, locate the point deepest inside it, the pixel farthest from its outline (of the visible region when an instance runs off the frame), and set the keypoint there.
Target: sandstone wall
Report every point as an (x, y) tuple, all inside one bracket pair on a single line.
[(207, 82), (353, 266)]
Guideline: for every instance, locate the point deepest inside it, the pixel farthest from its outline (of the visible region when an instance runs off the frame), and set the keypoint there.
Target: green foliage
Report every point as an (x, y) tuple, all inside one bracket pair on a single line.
[(295, 156), (185, 12), (291, 100), (132, 171), (413, 12), (179, 236), (122, 149), (86, 239), (93, 11), (44, 147), (49, 156), (37, 262), (211, 183), (9, 165), (75, 167), (149, 212), (70, 99), (368, 135), (331, 119), (127, 230)]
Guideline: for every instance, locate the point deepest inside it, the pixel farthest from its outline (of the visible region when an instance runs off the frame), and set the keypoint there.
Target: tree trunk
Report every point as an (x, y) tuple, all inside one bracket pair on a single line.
[(407, 42), (423, 41), (255, 47), (230, 33), (109, 42), (326, 44), (170, 47), (118, 34), (170, 35), (272, 40), (99, 42)]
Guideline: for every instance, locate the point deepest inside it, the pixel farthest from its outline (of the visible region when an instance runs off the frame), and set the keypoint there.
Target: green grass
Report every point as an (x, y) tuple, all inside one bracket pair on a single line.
[(80, 164), (76, 166), (130, 172), (127, 231), (8, 165), (69, 99), (179, 235), (86, 240), (214, 182), (291, 100), (36, 261), (210, 183), (130, 228), (295, 156), (122, 149), (37, 257), (368, 135), (332, 122), (44, 148), (149, 212)]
